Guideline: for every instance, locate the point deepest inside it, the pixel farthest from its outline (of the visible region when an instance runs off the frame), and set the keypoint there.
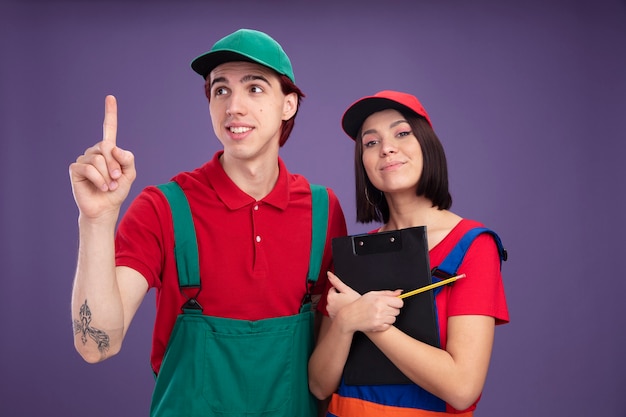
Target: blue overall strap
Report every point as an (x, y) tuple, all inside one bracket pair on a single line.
[(185, 242), (453, 261), (319, 204)]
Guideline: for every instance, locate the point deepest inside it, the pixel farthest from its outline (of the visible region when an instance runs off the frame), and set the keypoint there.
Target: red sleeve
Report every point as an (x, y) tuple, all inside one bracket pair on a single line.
[(142, 237)]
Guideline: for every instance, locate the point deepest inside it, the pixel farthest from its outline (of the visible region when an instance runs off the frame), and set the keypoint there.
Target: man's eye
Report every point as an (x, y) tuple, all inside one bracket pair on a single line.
[(219, 91), (256, 89)]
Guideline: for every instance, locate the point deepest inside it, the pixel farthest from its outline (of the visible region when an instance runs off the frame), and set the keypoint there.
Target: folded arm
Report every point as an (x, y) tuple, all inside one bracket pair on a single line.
[(456, 375)]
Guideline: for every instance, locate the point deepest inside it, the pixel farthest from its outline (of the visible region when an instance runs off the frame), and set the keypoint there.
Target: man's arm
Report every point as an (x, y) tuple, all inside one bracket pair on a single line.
[(104, 298)]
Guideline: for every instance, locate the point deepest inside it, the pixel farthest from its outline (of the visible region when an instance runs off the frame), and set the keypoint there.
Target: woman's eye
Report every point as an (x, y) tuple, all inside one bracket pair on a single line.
[(404, 133), (369, 143)]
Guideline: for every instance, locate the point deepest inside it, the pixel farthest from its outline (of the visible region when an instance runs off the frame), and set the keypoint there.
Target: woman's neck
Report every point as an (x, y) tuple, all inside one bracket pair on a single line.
[(419, 211), (410, 211)]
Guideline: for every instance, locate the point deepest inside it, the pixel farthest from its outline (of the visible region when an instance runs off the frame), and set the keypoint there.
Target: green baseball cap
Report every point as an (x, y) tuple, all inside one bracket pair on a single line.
[(245, 45)]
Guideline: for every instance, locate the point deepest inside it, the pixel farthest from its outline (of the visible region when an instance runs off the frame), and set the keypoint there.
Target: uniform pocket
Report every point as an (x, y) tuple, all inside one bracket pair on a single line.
[(237, 383)]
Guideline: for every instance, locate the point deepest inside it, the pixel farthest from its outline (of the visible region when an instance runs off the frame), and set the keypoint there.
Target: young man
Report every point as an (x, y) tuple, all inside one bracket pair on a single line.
[(233, 328)]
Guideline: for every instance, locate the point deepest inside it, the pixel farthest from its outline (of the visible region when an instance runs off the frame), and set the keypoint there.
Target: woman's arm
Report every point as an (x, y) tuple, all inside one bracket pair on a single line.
[(328, 359), (456, 375), (348, 312)]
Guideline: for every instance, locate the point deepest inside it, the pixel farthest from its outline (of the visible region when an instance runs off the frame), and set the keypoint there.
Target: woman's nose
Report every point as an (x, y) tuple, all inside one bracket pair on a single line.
[(388, 146)]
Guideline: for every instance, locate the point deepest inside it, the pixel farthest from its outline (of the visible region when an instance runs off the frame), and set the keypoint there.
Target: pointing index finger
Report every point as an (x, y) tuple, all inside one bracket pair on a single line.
[(109, 126), (336, 282)]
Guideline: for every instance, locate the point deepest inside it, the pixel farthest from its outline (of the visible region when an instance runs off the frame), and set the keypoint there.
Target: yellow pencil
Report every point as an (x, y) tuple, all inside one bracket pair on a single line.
[(431, 286)]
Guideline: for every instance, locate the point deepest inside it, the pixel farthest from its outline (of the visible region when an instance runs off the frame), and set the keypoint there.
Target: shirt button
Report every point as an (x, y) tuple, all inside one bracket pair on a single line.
[(256, 207), (258, 239)]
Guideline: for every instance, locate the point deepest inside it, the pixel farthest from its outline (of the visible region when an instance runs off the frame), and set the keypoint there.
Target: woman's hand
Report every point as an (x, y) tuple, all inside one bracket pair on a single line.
[(372, 312), (339, 295)]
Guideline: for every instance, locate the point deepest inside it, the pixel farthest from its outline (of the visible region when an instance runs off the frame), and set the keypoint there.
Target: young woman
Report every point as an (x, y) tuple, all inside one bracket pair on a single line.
[(401, 182)]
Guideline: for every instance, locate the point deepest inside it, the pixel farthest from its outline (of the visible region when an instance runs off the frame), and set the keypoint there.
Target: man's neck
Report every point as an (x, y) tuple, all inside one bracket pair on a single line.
[(256, 178)]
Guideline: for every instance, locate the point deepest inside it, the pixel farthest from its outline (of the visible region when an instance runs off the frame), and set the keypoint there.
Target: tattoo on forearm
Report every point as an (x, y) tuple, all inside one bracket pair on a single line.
[(83, 327)]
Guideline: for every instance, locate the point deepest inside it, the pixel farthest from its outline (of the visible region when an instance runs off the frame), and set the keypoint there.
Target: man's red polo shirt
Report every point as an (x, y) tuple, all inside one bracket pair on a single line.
[(254, 255)]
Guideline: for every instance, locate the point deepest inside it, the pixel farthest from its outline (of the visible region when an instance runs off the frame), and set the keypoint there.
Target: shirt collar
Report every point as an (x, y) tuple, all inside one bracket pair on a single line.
[(234, 198)]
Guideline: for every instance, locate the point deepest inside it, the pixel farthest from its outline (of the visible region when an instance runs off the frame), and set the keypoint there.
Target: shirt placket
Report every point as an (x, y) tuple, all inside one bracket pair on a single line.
[(260, 258)]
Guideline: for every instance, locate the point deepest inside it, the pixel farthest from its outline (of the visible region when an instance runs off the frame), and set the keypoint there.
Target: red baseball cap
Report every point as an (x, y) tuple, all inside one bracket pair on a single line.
[(361, 109)]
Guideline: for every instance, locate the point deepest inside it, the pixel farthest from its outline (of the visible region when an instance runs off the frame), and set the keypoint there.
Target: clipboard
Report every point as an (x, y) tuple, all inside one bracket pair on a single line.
[(390, 260)]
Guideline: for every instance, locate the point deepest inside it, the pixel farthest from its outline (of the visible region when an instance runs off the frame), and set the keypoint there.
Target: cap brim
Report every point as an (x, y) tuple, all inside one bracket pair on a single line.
[(206, 63), (356, 114)]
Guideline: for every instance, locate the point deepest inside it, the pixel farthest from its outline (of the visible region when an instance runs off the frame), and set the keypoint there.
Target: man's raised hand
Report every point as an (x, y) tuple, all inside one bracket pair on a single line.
[(102, 176)]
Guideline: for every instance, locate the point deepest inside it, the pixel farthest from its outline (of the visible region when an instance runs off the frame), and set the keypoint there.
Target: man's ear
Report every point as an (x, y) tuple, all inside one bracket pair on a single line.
[(290, 106)]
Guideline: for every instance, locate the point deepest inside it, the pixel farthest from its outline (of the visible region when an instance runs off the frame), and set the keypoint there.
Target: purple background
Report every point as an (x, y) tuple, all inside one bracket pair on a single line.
[(528, 98)]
